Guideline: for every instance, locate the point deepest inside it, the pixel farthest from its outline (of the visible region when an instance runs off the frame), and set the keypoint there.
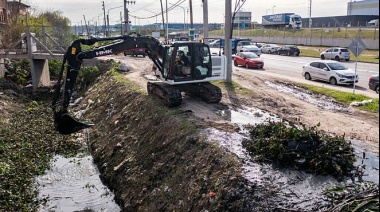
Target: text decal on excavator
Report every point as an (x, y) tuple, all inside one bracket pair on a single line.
[(73, 50), (100, 53)]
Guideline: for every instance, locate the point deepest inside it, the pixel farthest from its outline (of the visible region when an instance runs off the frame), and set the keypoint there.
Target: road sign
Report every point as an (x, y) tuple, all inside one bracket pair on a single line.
[(357, 46)]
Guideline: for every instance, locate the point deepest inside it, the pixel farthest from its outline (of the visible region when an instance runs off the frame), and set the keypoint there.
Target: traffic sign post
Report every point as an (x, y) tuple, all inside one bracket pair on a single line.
[(357, 47)]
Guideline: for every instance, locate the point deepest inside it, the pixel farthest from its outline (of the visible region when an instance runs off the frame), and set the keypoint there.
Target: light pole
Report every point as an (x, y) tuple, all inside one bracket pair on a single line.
[(267, 11), (273, 9), (184, 17), (108, 19)]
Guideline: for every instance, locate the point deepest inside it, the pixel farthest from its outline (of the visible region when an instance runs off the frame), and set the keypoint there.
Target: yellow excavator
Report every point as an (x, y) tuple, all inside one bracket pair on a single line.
[(203, 67)]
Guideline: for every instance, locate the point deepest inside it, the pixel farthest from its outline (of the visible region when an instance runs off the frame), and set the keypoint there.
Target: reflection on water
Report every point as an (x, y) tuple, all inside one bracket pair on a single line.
[(73, 184), (248, 116)]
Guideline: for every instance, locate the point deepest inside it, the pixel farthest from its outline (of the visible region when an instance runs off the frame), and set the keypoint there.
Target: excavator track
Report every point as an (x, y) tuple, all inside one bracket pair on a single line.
[(205, 90), (170, 95)]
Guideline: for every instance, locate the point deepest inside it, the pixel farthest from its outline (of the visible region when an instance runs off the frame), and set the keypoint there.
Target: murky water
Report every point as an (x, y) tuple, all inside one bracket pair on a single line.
[(295, 188), (73, 184), (322, 101)]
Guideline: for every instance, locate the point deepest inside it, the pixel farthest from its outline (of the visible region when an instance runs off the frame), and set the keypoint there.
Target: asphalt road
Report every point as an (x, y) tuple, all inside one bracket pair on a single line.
[(290, 67)]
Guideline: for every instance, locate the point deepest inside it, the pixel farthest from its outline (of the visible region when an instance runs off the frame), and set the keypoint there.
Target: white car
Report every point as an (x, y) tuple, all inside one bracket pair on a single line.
[(330, 71), (336, 53), (269, 48), (250, 48)]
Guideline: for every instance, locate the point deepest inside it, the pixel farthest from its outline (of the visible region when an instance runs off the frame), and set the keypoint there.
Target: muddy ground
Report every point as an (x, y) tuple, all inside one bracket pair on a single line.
[(155, 159)]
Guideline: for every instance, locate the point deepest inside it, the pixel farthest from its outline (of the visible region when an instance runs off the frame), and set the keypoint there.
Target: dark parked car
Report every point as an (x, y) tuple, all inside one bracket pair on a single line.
[(248, 59), (374, 83), (136, 52), (289, 50)]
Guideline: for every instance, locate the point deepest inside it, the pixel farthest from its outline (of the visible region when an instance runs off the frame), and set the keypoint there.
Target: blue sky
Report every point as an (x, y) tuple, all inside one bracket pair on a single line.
[(143, 9)]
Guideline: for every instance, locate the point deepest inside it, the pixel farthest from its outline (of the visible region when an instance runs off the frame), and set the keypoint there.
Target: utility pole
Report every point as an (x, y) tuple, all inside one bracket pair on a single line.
[(104, 14), (205, 19), (167, 21), (227, 40), (85, 22), (126, 16), (191, 18), (310, 21)]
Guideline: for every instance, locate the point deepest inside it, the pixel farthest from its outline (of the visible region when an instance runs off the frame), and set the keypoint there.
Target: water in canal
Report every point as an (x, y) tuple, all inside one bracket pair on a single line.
[(73, 184)]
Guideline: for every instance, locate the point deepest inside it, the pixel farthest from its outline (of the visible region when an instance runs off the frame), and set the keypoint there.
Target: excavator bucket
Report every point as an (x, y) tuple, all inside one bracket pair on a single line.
[(65, 124)]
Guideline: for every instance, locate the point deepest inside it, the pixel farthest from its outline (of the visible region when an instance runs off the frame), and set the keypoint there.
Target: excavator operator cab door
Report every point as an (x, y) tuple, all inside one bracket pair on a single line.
[(199, 57)]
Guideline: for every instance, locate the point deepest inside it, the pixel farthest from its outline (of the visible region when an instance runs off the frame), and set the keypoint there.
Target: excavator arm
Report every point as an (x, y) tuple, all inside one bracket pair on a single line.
[(63, 122)]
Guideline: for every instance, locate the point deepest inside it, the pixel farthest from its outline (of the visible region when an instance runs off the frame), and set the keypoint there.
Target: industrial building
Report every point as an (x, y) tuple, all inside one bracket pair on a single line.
[(359, 13), (365, 7)]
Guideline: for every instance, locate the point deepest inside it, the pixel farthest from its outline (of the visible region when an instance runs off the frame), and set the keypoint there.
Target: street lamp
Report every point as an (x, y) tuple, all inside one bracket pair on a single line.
[(267, 11), (273, 9), (184, 16), (108, 19)]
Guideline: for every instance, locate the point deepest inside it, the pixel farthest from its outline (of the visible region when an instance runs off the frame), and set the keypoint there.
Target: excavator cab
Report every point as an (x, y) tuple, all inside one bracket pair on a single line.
[(199, 57)]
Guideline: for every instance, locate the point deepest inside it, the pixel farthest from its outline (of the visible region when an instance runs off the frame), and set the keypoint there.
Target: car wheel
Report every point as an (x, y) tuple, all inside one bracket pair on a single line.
[(235, 63), (288, 54), (246, 65), (377, 89), (337, 58), (347, 60), (269, 52), (297, 54), (332, 81), (307, 76), (278, 52), (322, 57)]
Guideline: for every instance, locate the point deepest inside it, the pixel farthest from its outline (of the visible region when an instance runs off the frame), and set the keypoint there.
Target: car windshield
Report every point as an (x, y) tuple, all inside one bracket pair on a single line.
[(246, 43), (337, 66), (344, 50), (250, 55)]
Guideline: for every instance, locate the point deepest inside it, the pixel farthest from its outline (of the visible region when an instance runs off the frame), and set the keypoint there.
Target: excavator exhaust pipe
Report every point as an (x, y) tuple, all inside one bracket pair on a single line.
[(65, 124)]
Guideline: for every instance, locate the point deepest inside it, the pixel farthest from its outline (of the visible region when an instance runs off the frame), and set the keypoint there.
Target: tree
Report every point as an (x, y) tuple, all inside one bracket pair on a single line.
[(238, 5)]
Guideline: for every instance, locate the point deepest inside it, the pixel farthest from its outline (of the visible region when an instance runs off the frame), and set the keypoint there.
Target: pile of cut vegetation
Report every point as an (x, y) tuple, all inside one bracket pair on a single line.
[(302, 148)]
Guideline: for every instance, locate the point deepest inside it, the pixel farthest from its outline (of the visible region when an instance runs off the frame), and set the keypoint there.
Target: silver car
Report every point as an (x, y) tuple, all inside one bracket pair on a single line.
[(330, 71), (269, 48), (336, 53)]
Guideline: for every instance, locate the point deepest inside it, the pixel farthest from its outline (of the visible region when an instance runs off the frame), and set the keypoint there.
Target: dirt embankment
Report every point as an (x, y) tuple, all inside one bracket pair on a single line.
[(155, 160)]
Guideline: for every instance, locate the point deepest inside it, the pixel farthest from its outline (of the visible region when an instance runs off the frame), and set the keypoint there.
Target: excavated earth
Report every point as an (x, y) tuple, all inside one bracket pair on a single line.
[(155, 158)]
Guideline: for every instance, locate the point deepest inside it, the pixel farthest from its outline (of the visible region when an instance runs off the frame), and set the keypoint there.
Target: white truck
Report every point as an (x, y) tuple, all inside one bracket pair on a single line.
[(290, 20)]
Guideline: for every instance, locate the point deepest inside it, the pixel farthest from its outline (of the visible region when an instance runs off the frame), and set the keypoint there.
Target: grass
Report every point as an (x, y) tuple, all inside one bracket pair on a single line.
[(234, 87), (315, 32), (369, 56), (346, 98)]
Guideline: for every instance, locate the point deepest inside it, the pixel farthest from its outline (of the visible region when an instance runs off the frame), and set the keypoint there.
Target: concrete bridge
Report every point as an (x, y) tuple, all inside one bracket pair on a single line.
[(26, 48)]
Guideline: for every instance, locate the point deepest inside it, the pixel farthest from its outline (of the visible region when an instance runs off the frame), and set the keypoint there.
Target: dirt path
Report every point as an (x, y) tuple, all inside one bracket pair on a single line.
[(355, 124)]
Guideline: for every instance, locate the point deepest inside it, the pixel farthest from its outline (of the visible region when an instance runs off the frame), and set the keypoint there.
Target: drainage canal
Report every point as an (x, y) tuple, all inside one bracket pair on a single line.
[(73, 184)]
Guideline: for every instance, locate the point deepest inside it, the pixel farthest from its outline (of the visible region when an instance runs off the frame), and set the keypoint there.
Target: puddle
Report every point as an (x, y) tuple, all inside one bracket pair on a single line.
[(248, 116), (294, 189), (322, 101), (73, 184)]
